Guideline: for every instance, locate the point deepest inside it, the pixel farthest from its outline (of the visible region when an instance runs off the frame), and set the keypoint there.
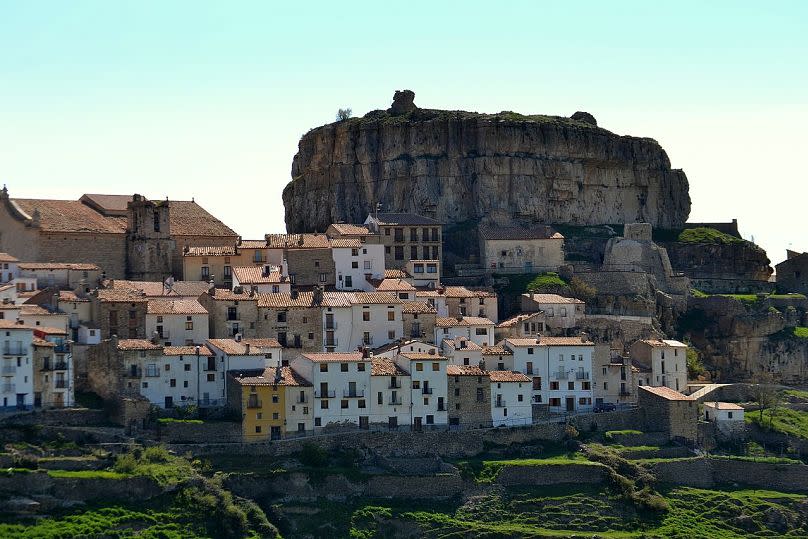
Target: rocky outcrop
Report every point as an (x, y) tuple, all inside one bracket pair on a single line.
[(738, 267), (461, 166)]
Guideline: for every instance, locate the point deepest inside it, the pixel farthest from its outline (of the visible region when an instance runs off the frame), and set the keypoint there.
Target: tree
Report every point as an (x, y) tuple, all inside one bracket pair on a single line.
[(344, 114), (764, 392), (582, 290), (694, 365)]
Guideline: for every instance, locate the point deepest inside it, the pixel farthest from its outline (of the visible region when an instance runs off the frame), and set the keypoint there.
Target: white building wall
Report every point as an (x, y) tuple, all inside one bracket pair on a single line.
[(369, 260), (174, 331), (17, 368), (531, 361), (511, 403), (571, 368), (156, 382), (418, 347), (462, 356), (299, 408), (8, 272), (395, 401), (338, 384), (669, 367), (430, 398)]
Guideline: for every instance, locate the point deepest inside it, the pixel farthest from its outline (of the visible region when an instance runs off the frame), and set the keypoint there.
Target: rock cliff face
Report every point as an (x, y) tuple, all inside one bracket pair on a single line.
[(459, 166)]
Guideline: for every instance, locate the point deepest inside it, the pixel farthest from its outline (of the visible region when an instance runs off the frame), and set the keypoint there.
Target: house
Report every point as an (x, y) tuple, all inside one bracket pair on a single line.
[(179, 376), (728, 419), (68, 275), (231, 313), (119, 312), (511, 398), (353, 319), (356, 263), (462, 351), (670, 411), (17, 370), (498, 358), (428, 388), (474, 328), (168, 289), (423, 273), (667, 360), (217, 262), (419, 319), (462, 301), (294, 319), (241, 354), (272, 402), (469, 399), (559, 312), (390, 395), (524, 325), (266, 279), (53, 368), (341, 384), (177, 321), (308, 258), (400, 287), (614, 379), (351, 231), (406, 236), (9, 269), (538, 248), (36, 316), (792, 273), (391, 350)]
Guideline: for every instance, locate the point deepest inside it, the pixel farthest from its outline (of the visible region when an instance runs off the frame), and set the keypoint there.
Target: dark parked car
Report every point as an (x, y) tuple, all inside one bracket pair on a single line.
[(604, 407)]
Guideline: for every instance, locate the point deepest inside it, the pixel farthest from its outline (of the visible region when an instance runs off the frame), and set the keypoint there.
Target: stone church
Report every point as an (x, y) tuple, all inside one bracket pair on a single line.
[(128, 236)]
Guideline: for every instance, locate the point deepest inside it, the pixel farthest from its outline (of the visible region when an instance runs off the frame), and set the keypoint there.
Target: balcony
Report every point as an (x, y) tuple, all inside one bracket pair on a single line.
[(152, 373), (332, 325), (8, 388), (14, 351), (62, 348), (330, 394), (560, 375), (426, 391), (9, 370), (581, 375), (394, 384), (60, 366), (394, 402), (332, 342), (441, 407), (232, 317), (347, 393), (625, 393), (417, 334), (301, 400), (254, 404), (500, 404), (368, 339), (163, 334), (61, 384), (133, 373)]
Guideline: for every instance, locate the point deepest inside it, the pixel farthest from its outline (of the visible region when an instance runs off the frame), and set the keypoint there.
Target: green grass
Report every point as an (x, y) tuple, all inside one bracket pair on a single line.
[(796, 393), (611, 434), (155, 462), (787, 296), (487, 471), (165, 420), (696, 293), (784, 420), (745, 298), (87, 474), (706, 235)]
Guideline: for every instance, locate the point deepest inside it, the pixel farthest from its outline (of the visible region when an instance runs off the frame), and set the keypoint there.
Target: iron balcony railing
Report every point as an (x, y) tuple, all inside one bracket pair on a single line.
[(254, 404), (560, 375), (427, 391), (357, 393), (394, 384), (581, 375), (8, 388), (9, 370), (13, 351), (330, 394), (500, 404), (394, 402), (61, 384)]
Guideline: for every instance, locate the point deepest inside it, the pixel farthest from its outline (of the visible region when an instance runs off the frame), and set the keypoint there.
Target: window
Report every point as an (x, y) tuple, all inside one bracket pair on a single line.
[(729, 415), (435, 367), (481, 331), (360, 367), (413, 252), (282, 316), (343, 367), (530, 351), (365, 316), (480, 395), (387, 249), (187, 366), (317, 421), (419, 367), (431, 268), (348, 281), (323, 277), (189, 325), (355, 264), (323, 367), (398, 235), (416, 384), (430, 419), (413, 234), (570, 385), (172, 382), (343, 404), (391, 335), (399, 252), (228, 272), (316, 263), (380, 398), (275, 399), (368, 264), (555, 401), (324, 404), (457, 392), (258, 429), (211, 377), (554, 386), (354, 252), (361, 403)]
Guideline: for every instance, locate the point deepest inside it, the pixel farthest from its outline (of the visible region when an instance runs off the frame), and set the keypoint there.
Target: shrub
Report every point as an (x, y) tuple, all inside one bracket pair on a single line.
[(125, 464), (313, 455), (156, 454), (581, 290), (570, 432)]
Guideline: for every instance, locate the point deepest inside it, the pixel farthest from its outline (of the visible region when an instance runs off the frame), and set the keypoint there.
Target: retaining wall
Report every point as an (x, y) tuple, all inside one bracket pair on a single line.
[(79, 489), (711, 472)]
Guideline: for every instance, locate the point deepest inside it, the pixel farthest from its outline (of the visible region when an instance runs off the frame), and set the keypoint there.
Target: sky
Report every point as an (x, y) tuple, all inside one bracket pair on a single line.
[(209, 99)]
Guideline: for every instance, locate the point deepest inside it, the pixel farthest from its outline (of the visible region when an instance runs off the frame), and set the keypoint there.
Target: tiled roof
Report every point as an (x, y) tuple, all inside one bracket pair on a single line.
[(107, 204), (386, 285), (498, 350), (70, 216), (405, 219), (470, 345), (420, 356), (285, 300), (518, 319), (186, 351), (41, 342), (550, 298), (386, 367), (175, 306), (507, 376), (347, 229), (50, 330), (667, 393), (253, 244), (375, 297), (465, 370), (156, 289), (232, 347), (211, 250), (70, 296), (450, 321), (121, 295), (137, 344), (13, 324), (335, 356), (77, 266), (298, 241), (537, 232), (402, 344), (457, 292), (346, 243), (5, 257), (187, 218), (267, 377), (660, 343), (395, 274), (256, 275), (549, 341), (724, 405), (33, 310), (225, 294), (418, 307)]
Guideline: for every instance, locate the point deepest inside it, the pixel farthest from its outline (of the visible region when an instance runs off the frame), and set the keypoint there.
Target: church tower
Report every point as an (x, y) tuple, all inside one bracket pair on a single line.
[(149, 247)]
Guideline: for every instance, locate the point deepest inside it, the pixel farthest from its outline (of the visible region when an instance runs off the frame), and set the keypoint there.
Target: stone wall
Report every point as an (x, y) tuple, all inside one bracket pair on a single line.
[(710, 472), (60, 417), (78, 489), (106, 250), (551, 474), (305, 322), (307, 265), (427, 323), (465, 407), (199, 433)]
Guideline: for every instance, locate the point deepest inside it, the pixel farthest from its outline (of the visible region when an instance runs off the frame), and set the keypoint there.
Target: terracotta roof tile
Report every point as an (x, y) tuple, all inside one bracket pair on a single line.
[(469, 345), (225, 294), (387, 285), (298, 241), (724, 405), (420, 356), (537, 232), (232, 347), (498, 350), (518, 319), (187, 218), (14, 324), (121, 295), (137, 344), (507, 376), (347, 229), (550, 298), (175, 306), (266, 377), (661, 343), (5, 257), (395, 274), (253, 244), (549, 341), (667, 393), (41, 342), (70, 296), (451, 321), (156, 289), (457, 292), (386, 367), (465, 370), (256, 275), (375, 297), (285, 300), (70, 216), (346, 243), (405, 219), (33, 310), (320, 357), (419, 307), (186, 351)]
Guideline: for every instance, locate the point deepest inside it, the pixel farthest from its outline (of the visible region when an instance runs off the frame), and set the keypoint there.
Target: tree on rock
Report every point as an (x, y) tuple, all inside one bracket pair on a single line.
[(344, 114)]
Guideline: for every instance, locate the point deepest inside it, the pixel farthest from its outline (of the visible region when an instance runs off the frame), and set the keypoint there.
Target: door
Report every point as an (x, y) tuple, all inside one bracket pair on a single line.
[(21, 401), (570, 404), (37, 400), (275, 433), (169, 402), (363, 422), (352, 389), (416, 423), (58, 400), (392, 423)]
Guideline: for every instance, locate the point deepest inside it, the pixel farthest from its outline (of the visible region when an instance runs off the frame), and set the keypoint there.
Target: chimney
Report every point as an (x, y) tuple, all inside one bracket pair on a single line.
[(293, 294), (318, 295), (300, 240), (365, 352), (247, 348), (237, 336)]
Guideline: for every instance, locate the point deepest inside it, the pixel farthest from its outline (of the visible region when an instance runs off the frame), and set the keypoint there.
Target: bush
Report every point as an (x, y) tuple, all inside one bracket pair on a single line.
[(313, 455), (125, 464), (581, 290), (156, 454)]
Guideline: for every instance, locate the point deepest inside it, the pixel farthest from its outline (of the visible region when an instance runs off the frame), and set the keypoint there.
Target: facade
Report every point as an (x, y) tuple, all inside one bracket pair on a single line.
[(17, 370), (8, 268), (723, 412), (667, 360), (521, 326), (52, 369), (559, 312), (217, 261), (341, 384), (293, 319), (60, 274), (670, 411), (181, 322), (521, 250), (391, 350), (176, 376), (406, 236), (423, 273), (462, 301), (498, 358), (390, 397), (615, 380), (354, 319), (308, 258), (36, 316), (473, 328), (119, 312), (469, 399), (462, 351), (231, 313), (511, 396), (429, 388), (419, 318), (356, 263), (792, 273), (240, 354), (266, 279)]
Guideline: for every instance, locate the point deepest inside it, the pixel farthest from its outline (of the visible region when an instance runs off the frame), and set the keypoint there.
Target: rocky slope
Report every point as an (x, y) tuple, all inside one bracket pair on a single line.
[(460, 166)]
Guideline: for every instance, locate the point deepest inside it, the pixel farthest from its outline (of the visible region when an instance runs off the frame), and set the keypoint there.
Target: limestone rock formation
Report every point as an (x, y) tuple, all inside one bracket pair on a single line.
[(459, 166)]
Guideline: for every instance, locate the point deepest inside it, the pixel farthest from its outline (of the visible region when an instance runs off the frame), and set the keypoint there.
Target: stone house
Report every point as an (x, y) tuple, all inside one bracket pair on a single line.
[(308, 258), (469, 400), (119, 312), (667, 360), (669, 411), (559, 312), (511, 402), (423, 273), (406, 236), (614, 379), (520, 250), (419, 320), (115, 367), (294, 319), (206, 262), (792, 273), (521, 326), (462, 301), (266, 279), (390, 396), (231, 313)]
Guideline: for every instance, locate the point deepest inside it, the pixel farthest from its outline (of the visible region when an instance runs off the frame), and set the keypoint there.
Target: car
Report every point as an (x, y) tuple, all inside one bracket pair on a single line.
[(604, 407)]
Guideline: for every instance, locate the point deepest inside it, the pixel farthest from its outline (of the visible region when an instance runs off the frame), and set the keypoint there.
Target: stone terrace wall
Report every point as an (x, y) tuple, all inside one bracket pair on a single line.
[(551, 474), (79, 489), (75, 417), (710, 472)]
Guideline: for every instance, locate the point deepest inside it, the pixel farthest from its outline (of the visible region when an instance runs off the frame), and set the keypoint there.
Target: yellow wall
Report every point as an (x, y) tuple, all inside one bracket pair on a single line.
[(266, 409)]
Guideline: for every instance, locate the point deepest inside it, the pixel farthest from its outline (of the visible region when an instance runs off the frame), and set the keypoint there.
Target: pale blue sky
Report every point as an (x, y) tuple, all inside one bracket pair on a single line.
[(209, 99)]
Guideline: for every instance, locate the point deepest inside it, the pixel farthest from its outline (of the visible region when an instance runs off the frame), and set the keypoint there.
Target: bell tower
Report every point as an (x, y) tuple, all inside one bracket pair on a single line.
[(149, 247)]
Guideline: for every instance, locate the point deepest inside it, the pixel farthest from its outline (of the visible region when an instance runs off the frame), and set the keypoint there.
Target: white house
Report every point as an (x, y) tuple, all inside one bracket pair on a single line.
[(36, 316), (353, 319), (89, 334), (17, 370), (400, 287), (524, 325), (462, 351), (8, 268), (390, 395), (667, 360), (530, 359), (474, 328), (355, 262), (177, 321), (723, 412), (261, 279), (392, 349), (179, 377), (53, 368), (499, 358), (510, 398), (462, 301), (243, 354), (429, 387), (341, 384), (424, 273), (436, 299), (60, 274), (559, 312)]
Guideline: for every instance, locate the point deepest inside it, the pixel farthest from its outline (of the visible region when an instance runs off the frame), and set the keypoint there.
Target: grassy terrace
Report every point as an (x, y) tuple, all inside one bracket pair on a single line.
[(707, 235), (784, 420), (487, 471)]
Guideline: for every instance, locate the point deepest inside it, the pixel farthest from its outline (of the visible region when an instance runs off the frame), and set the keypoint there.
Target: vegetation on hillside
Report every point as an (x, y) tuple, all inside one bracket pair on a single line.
[(784, 420), (706, 235)]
